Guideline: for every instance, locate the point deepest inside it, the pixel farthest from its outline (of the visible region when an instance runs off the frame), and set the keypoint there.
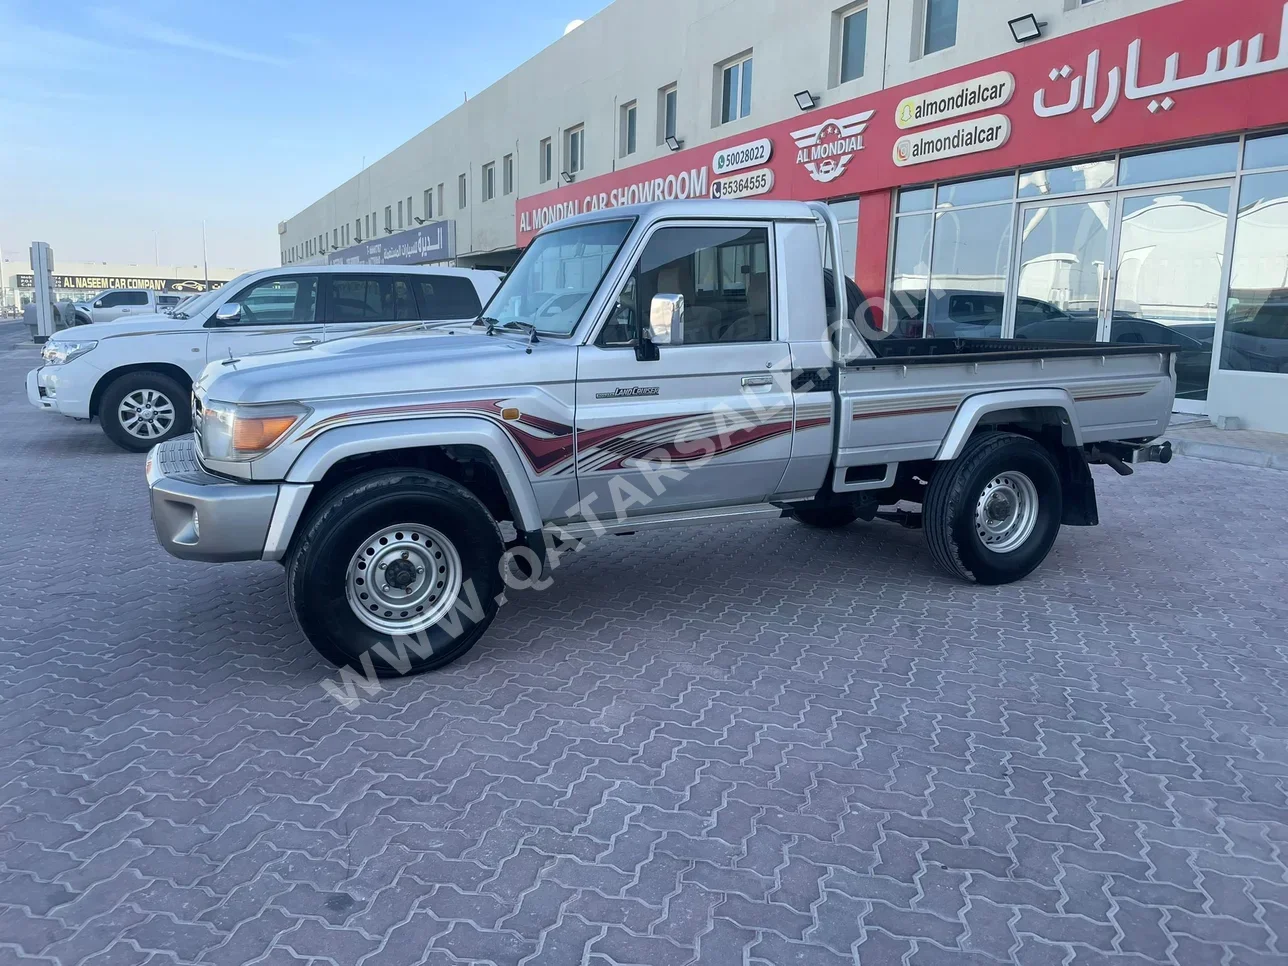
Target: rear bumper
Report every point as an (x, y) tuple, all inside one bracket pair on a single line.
[(200, 516)]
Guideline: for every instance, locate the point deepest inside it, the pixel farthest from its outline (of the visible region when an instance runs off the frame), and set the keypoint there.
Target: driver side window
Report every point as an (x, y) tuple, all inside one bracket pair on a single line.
[(287, 299), (723, 274)]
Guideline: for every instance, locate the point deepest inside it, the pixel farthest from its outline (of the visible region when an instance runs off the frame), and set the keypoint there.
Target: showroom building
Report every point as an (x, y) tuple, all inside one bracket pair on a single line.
[(1112, 170)]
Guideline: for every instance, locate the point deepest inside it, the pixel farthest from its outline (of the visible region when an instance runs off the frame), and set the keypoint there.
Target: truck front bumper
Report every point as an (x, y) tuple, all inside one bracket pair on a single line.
[(200, 516), (37, 394), (50, 389)]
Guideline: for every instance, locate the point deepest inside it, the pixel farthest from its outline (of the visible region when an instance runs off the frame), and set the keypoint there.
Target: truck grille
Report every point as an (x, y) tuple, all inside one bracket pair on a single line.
[(196, 419)]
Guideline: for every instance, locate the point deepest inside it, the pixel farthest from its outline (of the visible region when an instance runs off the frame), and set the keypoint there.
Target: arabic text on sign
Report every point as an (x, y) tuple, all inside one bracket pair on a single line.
[(1124, 81)]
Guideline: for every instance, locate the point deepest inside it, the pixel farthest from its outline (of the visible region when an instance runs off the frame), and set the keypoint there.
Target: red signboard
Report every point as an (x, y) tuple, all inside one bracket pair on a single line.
[(1191, 69)]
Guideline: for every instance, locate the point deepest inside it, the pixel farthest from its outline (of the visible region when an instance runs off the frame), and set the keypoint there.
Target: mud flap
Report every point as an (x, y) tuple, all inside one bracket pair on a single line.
[(1080, 508)]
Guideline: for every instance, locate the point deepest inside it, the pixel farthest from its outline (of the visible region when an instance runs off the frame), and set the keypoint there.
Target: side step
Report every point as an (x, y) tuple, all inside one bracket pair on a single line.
[(659, 521)]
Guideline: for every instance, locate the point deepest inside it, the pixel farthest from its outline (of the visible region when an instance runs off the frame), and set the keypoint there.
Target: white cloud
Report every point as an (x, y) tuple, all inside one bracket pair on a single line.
[(159, 33)]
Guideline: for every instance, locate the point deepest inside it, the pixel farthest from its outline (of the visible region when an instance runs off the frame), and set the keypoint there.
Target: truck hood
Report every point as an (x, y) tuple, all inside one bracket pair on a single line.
[(444, 358), (133, 325)]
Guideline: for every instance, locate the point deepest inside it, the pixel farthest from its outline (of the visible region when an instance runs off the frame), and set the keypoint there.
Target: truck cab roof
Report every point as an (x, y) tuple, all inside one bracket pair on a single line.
[(658, 210)]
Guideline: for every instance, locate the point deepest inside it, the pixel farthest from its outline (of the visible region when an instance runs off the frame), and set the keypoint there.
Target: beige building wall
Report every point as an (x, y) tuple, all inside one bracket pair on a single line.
[(629, 52)]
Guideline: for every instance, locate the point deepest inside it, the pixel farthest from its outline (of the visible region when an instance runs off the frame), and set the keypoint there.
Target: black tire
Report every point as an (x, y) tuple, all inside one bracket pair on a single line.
[(826, 517), (949, 513), (318, 566), (135, 382)]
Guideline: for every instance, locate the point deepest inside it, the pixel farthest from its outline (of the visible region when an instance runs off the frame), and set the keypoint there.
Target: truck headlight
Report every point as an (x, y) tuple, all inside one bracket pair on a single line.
[(58, 352), (235, 433)]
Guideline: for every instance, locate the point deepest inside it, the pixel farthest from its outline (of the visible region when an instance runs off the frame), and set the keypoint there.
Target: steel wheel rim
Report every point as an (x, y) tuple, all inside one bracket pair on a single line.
[(1006, 513), (146, 413), (403, 579)]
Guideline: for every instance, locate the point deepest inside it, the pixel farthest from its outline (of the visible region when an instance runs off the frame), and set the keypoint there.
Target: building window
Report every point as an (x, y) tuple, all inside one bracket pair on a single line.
[(489, 181), (507, 174), (335, 237), (941, 25), (400, 217), (389, 218), (667, 105), (366, 233), (847, 217), (952, 256), (575, 149), (1256, 320), (429, 204), (627, 135), (851, 42), (409, 218), (442, 207), (735, 89), (462, 192), (546, 161)]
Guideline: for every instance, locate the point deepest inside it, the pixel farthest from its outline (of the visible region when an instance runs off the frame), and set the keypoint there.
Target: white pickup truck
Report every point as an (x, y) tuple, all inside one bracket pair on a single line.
[(639, 367), (113, 303), (135, 373)]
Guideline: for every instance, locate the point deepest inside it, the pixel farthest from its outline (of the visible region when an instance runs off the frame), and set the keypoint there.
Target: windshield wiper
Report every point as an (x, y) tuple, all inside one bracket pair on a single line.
[(493, 326), (527, 327)]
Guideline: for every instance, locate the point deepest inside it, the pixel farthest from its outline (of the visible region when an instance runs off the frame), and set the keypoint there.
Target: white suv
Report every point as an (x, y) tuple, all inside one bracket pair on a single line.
[(136, 374)]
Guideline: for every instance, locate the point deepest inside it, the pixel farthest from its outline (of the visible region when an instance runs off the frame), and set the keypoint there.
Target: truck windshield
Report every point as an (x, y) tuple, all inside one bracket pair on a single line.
[(203, 301), (554, 280)]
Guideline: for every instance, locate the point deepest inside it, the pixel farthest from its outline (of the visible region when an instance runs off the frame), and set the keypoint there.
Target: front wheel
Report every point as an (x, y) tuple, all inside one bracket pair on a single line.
[(992, 514), (141, 409), (398, 573)]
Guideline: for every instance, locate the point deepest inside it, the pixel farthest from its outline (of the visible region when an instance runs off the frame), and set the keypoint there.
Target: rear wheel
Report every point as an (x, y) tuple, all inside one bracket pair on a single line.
[(401, 569), (140, 409), (992, 514)]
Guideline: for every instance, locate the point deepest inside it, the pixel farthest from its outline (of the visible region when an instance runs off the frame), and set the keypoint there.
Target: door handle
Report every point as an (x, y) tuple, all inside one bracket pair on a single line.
[(757, 381), (305, 340)]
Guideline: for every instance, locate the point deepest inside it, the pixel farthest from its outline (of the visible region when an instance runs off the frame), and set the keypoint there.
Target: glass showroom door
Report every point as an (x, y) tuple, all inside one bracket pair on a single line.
[(1063, 250), (1167, 278)]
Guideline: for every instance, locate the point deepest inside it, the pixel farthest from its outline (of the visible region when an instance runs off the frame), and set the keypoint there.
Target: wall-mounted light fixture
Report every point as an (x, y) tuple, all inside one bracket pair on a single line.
[(568, 178), (673, 142), (806, 101), (1026, 28)]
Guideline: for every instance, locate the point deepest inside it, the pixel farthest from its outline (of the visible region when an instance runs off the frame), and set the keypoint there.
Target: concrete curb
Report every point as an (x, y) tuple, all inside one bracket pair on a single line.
[(1229, 454)]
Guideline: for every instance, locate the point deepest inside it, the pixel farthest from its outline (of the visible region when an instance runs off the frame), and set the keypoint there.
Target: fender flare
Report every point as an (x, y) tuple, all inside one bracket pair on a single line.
[(358, 440), (975, 408)]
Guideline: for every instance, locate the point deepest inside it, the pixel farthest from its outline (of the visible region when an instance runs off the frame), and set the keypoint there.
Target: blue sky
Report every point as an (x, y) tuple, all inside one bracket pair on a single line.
[(121, 120)]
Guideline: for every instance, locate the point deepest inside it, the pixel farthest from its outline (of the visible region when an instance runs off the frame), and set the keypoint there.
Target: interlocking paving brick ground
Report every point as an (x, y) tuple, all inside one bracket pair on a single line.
[(755, 744)]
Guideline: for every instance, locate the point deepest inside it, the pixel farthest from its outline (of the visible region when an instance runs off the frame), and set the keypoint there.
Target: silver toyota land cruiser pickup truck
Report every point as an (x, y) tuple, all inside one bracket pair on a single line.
[(671, 363)]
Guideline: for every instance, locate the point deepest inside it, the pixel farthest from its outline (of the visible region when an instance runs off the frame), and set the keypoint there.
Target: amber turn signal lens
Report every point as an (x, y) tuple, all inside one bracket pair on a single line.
[(510, 413), (256, 434)]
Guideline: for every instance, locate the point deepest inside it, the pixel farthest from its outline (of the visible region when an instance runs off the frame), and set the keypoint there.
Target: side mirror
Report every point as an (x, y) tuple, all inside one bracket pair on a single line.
[(98, 304), (666, 320), (228, 313)]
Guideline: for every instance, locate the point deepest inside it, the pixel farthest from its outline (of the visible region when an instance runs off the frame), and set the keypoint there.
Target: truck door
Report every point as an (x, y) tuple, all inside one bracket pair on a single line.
[(278, 312), (357, 303), (709, 421), (115, 304)]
